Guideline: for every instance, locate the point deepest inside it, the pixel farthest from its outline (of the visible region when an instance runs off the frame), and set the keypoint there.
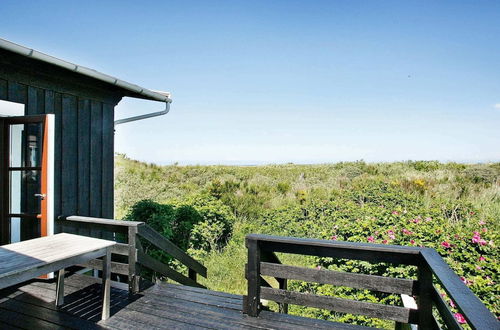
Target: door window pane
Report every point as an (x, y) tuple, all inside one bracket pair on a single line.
[(26, 145), (15, 230), (16, 150), (22, 229), (23, 187)]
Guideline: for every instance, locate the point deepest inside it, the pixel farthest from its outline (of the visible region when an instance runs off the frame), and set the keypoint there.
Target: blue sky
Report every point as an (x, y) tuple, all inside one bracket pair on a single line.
[(258, 82)]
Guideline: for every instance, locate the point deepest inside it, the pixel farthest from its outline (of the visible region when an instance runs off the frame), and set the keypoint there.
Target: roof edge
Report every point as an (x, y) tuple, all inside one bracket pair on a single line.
[(31, 53)]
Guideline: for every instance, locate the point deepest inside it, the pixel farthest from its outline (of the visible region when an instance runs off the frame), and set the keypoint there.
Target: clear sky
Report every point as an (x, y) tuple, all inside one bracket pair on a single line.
[(287, 81)]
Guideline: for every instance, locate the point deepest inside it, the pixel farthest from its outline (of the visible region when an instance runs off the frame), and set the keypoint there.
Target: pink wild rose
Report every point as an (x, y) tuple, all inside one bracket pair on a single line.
[(446, 245), (460, 318), (412, 242), (481, 258), (334, 237), (452, 304), (371, 239), (391, 234), (407, 232), (476, 237)]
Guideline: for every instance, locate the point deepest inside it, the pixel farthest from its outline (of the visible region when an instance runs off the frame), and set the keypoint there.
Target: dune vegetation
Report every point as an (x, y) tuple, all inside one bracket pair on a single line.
[(208, 210)]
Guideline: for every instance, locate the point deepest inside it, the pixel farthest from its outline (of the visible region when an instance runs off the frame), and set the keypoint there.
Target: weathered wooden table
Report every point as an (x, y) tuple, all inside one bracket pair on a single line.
[(26, 260)]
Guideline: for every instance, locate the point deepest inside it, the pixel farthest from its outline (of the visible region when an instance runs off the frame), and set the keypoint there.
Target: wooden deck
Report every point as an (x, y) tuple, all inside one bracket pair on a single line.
[(162, 306)]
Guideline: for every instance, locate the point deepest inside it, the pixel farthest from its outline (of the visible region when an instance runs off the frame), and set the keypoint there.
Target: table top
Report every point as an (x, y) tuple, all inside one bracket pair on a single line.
[(22, 256)]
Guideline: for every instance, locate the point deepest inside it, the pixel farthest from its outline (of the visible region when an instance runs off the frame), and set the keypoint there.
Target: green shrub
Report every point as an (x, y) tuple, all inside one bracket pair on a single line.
[(283, 187), (483, 174), (215, 222), (425, 165), (199, 222), (352, 171), (161, 218)]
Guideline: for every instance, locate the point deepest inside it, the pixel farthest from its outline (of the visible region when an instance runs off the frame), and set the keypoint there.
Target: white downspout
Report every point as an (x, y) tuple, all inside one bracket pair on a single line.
[(146, 116)]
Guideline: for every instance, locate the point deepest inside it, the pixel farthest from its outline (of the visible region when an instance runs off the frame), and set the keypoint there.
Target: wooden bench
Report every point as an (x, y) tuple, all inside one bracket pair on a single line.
[(26, 260)]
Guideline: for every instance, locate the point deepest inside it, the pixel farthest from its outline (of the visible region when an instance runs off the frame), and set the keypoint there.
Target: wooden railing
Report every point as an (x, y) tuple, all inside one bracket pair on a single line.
[(431, 268), (128, 234)]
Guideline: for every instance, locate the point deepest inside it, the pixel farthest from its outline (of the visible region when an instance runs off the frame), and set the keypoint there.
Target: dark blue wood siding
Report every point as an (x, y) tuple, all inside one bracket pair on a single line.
[(84, 146)]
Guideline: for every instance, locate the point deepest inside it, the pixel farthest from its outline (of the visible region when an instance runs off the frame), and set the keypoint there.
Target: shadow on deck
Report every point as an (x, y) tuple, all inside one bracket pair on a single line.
[(165, 306)]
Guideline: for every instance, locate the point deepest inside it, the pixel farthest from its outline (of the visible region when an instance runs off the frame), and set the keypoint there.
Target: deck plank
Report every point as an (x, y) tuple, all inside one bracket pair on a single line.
[(14, 318), (162, 306), (59, 319), (149, 321), (232, 319), (164, 298), (200, 290)]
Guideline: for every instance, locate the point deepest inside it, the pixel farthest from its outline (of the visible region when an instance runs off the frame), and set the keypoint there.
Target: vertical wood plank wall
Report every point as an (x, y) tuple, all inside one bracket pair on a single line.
[(84, 147)]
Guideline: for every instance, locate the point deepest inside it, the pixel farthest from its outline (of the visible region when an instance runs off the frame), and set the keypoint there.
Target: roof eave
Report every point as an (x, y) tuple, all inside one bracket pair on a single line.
[(141, 92)]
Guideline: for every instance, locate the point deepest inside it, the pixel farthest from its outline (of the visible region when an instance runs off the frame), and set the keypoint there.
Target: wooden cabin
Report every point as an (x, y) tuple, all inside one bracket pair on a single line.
[(57, 162), (77, 171)]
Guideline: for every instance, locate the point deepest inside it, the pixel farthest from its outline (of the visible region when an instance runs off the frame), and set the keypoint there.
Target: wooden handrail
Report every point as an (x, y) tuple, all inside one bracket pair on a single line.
[(136, 256), (405, 255), (262, 261), (167, 246), (165, 270), (102, 221), (474, 311)]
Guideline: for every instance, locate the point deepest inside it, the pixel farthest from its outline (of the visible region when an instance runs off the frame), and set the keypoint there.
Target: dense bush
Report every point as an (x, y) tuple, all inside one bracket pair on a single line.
[(175, 224), (198, 222), (483, 174), (215, 225)]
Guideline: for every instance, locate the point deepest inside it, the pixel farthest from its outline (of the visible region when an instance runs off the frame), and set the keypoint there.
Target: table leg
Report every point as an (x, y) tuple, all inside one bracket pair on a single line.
[(60, 288), (106, 278)]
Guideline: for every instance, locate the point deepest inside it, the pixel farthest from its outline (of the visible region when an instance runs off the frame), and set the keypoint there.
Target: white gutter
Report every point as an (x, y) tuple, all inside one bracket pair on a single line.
[(31, 53)]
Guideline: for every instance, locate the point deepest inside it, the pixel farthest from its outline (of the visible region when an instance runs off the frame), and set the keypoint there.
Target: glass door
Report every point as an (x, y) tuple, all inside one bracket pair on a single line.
[(27, 177)]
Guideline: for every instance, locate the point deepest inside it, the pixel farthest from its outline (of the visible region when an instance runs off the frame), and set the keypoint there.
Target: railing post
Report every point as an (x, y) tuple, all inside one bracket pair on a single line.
[(425, 318), (192, 274), (251, 303), (133, 277), (283, 283)]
